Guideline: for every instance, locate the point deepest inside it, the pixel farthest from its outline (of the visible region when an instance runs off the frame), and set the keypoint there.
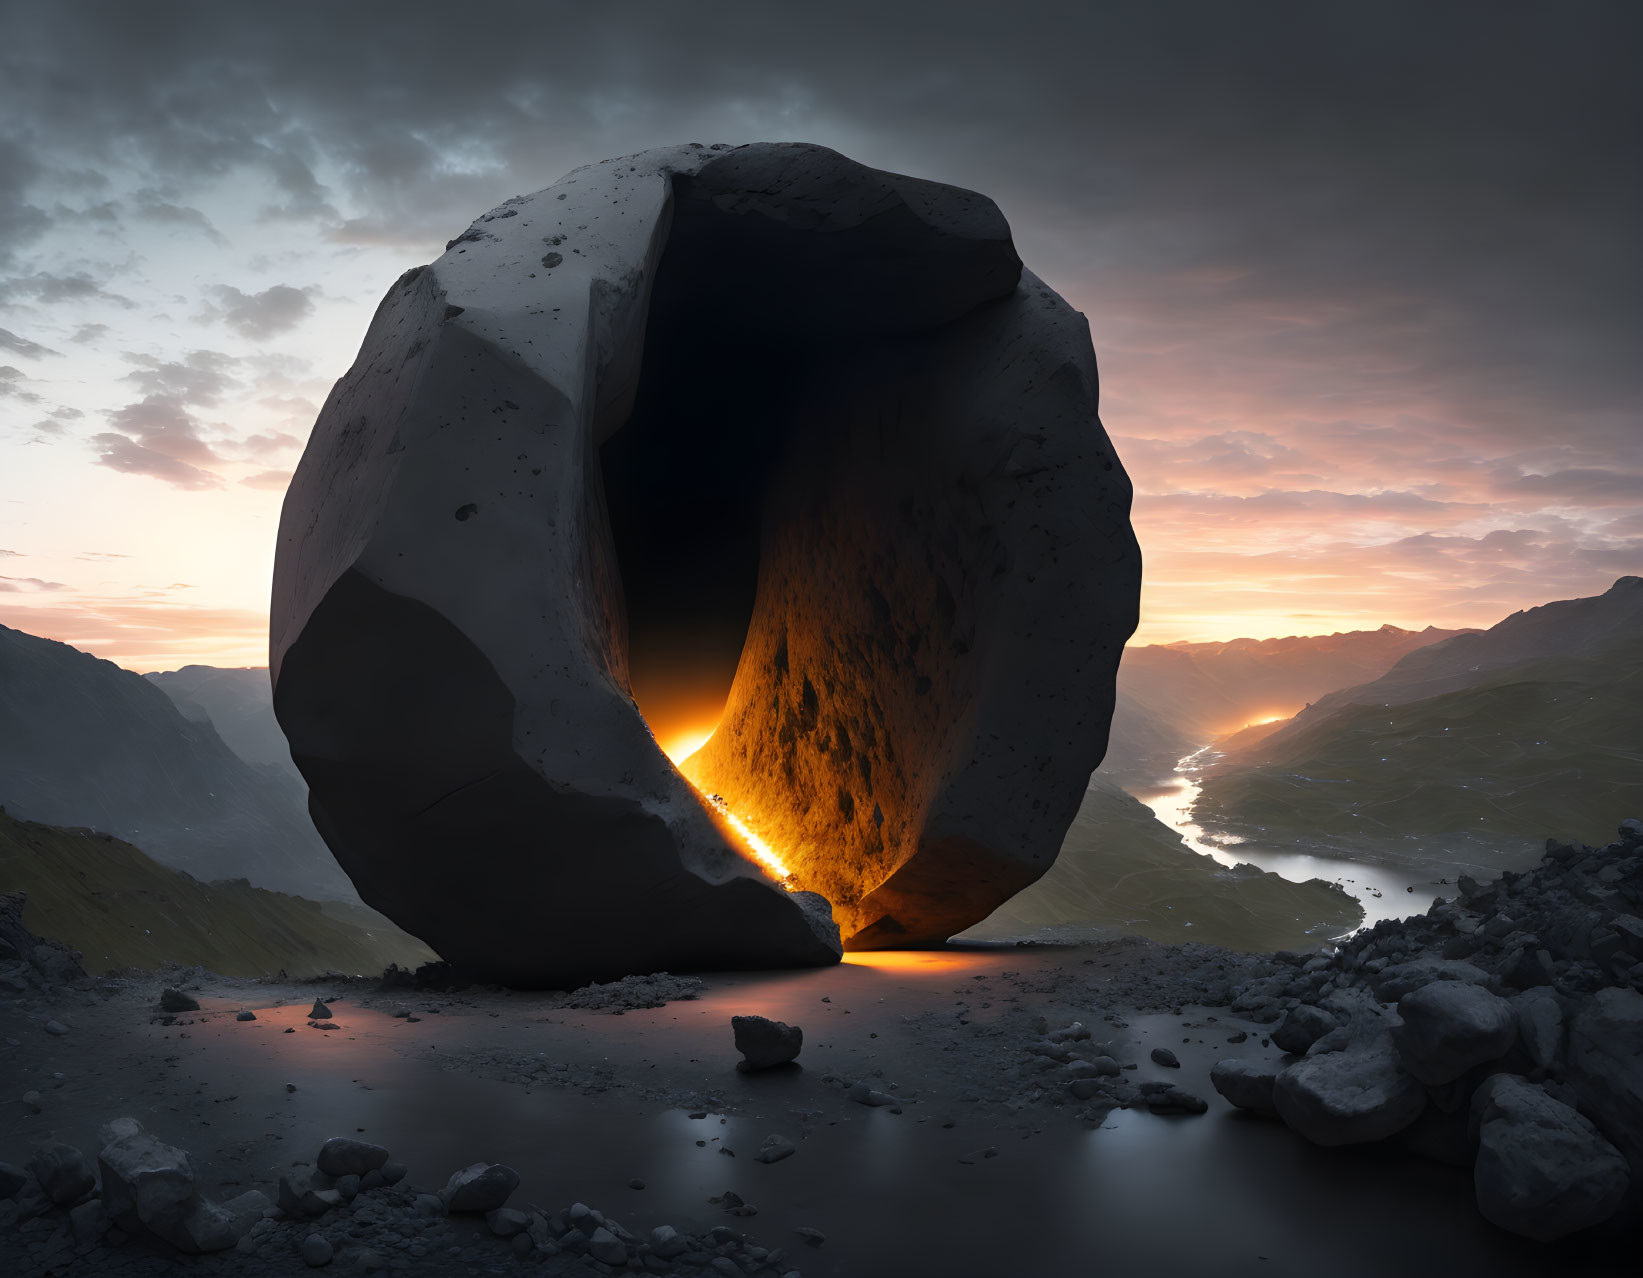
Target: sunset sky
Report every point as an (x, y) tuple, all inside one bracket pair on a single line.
[(1364, 280)]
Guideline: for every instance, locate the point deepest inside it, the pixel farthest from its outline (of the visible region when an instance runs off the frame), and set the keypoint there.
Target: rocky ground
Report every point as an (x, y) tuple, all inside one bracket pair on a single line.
[(238, 1127)]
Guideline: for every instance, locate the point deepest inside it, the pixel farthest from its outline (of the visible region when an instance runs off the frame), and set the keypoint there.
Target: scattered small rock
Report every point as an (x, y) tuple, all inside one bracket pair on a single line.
[(480, 1187), (345, 1156), (176, 1001), (765, 1043)]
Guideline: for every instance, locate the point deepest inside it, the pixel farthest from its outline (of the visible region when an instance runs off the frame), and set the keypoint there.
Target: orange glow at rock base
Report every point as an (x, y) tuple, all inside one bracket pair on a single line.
[(684, 743)]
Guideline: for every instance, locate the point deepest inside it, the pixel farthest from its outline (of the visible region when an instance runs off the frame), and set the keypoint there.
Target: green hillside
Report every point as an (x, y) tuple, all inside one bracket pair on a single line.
[(1121, 868), (123, 909), (1538, 748)]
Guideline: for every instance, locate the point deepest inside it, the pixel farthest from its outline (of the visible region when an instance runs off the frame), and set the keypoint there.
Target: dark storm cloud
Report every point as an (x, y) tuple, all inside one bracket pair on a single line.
[(1464, 174), (20, 221)]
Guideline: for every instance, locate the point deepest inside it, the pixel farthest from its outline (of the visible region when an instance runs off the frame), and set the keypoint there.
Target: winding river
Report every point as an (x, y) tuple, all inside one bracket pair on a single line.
[(1383, 892)]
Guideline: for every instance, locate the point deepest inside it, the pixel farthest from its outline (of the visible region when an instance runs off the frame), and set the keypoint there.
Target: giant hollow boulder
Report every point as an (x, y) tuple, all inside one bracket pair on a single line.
[(754, 442)]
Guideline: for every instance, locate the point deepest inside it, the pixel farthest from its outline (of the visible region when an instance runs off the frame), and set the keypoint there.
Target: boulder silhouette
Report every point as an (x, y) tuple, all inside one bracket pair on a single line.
[(753, 428)]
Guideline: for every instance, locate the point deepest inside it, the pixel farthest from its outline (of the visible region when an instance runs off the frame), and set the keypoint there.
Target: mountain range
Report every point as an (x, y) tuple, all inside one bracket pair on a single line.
[(1465, 753), (1430, 747), (238, 704), (1174, 698), (84, 742)]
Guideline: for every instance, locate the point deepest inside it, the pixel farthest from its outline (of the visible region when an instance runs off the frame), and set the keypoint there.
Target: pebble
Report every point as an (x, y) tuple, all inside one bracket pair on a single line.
[(774, 1149), (1163, 1056)]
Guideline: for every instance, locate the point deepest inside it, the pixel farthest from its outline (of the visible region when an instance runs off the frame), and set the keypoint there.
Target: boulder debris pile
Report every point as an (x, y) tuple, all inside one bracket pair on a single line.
[(139, 1201), (1502, 1029), (919, 544)]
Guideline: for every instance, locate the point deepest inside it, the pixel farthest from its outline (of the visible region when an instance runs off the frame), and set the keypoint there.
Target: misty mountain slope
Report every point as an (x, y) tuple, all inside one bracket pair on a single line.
[(1523, 748), (1564, 629), (237, 703), (83, 742), (1173, 698), (1122, 869), (122, 908)]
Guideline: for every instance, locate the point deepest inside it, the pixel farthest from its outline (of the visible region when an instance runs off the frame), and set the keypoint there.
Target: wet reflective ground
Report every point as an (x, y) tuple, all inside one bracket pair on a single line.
[(1218, 1194)]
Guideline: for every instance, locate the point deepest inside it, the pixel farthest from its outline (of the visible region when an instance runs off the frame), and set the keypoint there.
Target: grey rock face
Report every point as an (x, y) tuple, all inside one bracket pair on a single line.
[(1450, 1026), (345, 1156), (765, 1043), (1392, 983), (1346, 1098), (1303, 1026), (1605, 1062), (149, 1185), (1246, 1084), (307, 1191), (1542, 1169), (895, 462), (1540, 1027), (481, 1187), (89, 1221), (146, 1183), (506, 1222), (64, 1173)]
